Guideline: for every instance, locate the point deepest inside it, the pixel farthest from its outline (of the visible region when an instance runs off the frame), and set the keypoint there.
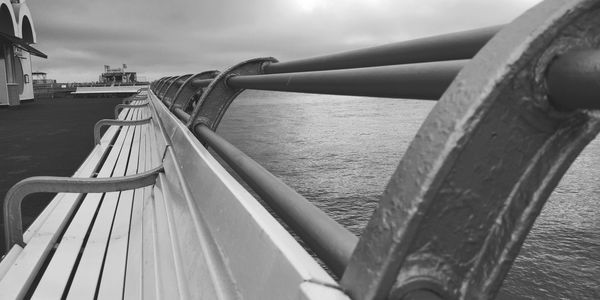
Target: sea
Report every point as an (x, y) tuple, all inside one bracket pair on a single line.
[(339, 152)]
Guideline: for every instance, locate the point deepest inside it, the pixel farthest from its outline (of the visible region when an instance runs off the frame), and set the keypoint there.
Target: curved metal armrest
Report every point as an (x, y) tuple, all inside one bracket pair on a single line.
[(107, 122), (135, 98), (121, 106), (13, 224)]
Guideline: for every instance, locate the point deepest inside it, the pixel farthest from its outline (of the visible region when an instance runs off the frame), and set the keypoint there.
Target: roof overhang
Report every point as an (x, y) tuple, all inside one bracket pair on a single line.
[(22, 44)]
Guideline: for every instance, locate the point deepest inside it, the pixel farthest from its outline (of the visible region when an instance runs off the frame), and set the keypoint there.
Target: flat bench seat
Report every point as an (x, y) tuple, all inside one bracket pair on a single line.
[(67, 219)]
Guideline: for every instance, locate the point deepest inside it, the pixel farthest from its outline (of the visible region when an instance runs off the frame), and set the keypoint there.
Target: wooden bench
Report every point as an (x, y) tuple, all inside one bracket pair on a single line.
[(169, 240), (66, 220)]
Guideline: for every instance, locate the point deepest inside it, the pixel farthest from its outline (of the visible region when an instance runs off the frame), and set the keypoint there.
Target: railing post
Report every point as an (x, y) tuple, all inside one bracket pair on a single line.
[(185, 92), (172, 89), (162, 84), (218, 95), (157, 84), (468, 189), (165, 86)]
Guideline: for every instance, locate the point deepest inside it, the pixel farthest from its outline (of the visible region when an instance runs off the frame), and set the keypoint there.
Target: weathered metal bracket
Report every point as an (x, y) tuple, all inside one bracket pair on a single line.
[(471, 184), (13, 224), (185, 92), (172, 89), (155, 84), (121, 106), (108, 122), (218, 95), (165, 86), (160, 84)]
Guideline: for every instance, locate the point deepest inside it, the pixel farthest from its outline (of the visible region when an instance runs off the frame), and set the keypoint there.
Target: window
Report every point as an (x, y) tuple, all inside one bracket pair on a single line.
[(26, 78)]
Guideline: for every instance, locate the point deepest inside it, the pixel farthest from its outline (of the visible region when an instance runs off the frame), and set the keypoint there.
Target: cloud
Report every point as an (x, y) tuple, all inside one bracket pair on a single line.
[(158, 38)]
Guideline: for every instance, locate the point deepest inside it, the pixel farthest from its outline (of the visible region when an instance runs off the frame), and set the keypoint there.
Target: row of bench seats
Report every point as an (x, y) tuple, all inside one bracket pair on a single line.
[(79, 238), (195, 234)]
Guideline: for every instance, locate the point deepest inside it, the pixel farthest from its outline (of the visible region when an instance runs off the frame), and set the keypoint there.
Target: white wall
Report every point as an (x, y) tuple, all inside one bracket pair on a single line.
[(3, 87), (28, 86)]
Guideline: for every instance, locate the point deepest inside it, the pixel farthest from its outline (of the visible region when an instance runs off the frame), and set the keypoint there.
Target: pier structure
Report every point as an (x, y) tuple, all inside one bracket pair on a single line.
[(152, 213), (117, 76), (17, 33)]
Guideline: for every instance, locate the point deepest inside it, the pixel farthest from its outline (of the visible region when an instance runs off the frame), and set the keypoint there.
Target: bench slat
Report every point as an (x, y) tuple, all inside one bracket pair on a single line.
[(266, 242), (40, 240), (149, 286), (107, 138), (9, 259), (113, 274), (133, 274), (166, 277), (18, 279), (89, 268), (59, 269), (170, 270)]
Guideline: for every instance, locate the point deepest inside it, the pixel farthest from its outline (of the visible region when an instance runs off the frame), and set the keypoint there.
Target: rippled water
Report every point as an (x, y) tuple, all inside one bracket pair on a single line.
[(339, 153)]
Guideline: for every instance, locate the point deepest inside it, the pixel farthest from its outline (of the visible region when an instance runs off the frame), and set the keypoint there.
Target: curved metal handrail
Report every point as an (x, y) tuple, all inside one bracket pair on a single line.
[(108, 122), (13, 224), (119, 107)]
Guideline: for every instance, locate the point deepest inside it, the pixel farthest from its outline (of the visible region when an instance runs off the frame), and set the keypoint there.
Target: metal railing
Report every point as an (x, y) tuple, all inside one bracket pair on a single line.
[(515, 103)]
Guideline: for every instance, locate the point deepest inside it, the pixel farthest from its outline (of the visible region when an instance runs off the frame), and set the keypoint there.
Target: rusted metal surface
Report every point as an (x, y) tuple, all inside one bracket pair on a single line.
[(453, 46), (13, 225), (467, 191), (217, 97), (121, 106), (173, 88), (108, 122), (185, 92), (426, 81)]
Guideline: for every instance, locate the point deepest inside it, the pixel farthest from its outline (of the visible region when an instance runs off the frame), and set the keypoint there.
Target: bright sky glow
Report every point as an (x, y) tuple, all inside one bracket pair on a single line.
[(158, 38)]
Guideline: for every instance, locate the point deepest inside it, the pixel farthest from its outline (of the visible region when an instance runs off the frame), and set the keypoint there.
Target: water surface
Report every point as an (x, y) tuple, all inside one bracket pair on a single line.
[(339, 152)]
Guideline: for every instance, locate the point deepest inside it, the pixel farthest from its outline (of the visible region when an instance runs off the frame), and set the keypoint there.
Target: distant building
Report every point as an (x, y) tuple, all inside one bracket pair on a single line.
[(17, 33), (44, 87), (39, 78), (117, 76)]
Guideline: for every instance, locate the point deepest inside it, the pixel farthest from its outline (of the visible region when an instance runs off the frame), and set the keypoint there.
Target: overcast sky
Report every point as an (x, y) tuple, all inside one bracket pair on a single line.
[(160, 37)]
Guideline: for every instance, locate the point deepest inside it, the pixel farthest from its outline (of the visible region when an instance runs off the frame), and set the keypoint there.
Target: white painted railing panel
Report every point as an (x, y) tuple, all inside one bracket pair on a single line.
[(264, 260)]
